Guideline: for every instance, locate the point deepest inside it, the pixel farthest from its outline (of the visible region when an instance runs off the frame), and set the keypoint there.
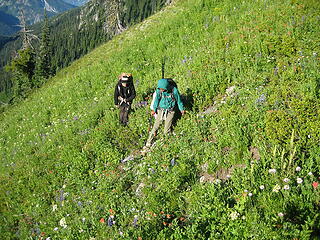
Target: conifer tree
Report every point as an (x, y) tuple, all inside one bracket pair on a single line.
[(23, 64), (22, 69), (43, 68)]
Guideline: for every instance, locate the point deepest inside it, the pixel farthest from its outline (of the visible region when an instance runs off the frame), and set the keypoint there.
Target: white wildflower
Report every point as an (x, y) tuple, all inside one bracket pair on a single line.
[(63, 223), (298, 169), (272, 170), (280, 214), (217, 181), (310, 173), (276, 188), (250, 194), (299, 180), (286, 180), (234, 215), (261, 187), (54, 207), (286, 187), (202, 179)]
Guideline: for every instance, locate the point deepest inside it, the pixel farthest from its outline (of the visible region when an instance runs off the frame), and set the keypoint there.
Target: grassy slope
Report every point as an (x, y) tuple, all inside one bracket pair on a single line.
[(61, 147)]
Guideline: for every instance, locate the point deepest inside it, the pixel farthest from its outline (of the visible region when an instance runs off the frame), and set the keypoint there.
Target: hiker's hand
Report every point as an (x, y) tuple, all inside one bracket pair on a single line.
[(183, 112), (153, 112)]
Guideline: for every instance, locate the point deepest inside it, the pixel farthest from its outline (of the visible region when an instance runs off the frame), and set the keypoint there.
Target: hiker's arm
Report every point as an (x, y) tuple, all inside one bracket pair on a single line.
[(156, 102), (178, 99), (116, 95), (133, 94), (153, 99)]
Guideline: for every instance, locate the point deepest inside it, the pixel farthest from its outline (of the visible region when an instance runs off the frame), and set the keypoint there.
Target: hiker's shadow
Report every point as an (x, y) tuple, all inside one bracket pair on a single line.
[(188, 101)]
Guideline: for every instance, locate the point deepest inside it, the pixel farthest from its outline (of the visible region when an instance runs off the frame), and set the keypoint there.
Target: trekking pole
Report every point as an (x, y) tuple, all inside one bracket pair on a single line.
[(162, 66)]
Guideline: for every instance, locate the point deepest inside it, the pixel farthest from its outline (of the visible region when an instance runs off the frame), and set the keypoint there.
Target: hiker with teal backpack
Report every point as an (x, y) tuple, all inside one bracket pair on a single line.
[(166, 102)]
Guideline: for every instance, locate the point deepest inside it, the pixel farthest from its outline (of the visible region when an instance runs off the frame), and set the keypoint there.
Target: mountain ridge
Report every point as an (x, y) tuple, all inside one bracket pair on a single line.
[(34, 9), (76, 2)]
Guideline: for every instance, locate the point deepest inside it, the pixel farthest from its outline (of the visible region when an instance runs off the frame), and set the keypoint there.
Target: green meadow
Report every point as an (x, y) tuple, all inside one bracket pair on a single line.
[(242, 163)]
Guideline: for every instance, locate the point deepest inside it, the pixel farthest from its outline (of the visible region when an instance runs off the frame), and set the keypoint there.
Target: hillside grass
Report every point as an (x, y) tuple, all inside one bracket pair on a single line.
[(61, 149)]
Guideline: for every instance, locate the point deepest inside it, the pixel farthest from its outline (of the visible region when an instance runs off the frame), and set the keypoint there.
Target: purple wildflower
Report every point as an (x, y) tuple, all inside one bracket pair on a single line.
[(110, 221), (135, 221), (172, 162)]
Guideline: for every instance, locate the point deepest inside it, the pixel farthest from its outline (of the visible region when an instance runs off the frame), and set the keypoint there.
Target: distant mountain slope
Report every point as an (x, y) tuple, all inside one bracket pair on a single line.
[(8, 24), (76, 2), (33, 9), (76, 32)]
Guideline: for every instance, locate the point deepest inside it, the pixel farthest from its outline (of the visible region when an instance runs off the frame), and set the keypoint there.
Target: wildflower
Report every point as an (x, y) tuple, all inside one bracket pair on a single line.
[(298, 169), (276, 188), (272, 170), (234, 215), (299, 180), (228, 176), (172, 162), (54, 208), (286, 180), (315, 185), (217, 181), (310, 173), (250, 194), (286, 187), (261, 99), (102, 220), (110, 221), (261, 187), (280, 214), (202, 179), (55, 229), (135, 221), (246, 191), (63, 223)]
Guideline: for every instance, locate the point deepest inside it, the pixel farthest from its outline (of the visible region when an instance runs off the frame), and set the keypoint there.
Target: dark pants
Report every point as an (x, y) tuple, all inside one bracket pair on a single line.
[(124, 114)]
